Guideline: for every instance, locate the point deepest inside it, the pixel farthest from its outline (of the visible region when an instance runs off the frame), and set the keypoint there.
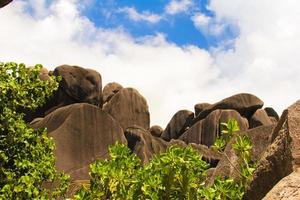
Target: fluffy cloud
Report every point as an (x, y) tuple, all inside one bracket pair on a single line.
[(134, 15), (264, 60), (207, 25), (178, 6)]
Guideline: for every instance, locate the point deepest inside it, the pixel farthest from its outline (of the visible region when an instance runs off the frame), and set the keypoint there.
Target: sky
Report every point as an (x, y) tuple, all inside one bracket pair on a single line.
[(176, 53)]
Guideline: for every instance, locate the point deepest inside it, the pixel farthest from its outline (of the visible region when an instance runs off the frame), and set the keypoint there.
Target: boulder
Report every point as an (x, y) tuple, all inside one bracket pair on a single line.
[(78, 85), (142, 143), (4, 3), (207, 130), (244, 103), (271, 112), (200, 107), (129, 108), (110, 90), (274, 164), (156, 130), (287, 188), (228, 165), (82, 134), (177, 125), (290, 120), (260, 118)]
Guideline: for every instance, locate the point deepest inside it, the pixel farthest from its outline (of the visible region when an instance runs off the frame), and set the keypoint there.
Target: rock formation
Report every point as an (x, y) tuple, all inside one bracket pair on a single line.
[(84, 120)]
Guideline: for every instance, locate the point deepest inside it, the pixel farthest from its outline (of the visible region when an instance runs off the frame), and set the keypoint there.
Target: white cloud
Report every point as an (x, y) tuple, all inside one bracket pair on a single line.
[(134, 15), (178, 6), (207, 25), (264, 60)]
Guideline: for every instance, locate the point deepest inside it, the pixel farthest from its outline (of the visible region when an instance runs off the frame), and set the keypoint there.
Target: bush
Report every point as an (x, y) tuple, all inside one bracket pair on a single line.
[(26, 155), (179, 173)]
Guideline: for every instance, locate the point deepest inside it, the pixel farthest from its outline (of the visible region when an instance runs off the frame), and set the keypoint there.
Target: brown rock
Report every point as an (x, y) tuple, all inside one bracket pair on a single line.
[(177, 125), (287, 188), (274, 164), (260, 118), (245, 104), (200, 107), (78, 85), (207, 130), (156, 130), (228, 165), (292, 118), (4, 3), (129, 108), (82, 134), (141, 142), (110, 90), (271, 112)]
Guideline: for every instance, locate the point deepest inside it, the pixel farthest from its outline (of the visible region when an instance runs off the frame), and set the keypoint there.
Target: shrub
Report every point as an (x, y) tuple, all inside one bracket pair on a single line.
[(26, 155)]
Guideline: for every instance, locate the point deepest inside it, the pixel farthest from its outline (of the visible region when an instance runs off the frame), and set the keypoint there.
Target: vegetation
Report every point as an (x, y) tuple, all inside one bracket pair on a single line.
[(26, 155), (27, 160), (179, 173)]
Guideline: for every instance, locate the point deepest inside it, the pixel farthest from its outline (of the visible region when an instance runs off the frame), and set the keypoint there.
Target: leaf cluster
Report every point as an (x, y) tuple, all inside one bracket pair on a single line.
[(26, 155)]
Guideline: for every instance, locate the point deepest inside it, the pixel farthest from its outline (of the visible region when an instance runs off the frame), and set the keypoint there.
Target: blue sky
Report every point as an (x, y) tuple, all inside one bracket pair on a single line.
[(177, 28)]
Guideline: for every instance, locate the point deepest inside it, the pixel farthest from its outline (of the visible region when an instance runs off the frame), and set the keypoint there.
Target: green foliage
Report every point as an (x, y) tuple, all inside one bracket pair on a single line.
[(26, 155), (175, 174), (227, 131), (179, 173)]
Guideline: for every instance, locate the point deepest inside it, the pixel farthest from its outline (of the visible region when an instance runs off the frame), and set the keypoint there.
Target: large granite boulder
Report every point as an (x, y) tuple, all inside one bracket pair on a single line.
[(287, 188), (274, 164), (291, 119), (142, 143), (78, 85), (207, 130), (228, 165), (177, 125), (82, 134), (129, 108), (245, 104), (260, 118), (110, 90), (4, 3)]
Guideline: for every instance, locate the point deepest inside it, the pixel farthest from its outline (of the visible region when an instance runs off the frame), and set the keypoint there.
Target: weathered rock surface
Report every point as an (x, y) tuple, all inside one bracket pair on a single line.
[(141, 142), (4, 3), (110, 90), (291, 117), (78, 85), (200, 107), (82, 133), (274, 164), (129, 108), (244, 103), (271, 112), (207, 130), (228, 165), (287, 188), (177, 125), (156, 130), (260, 118)]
